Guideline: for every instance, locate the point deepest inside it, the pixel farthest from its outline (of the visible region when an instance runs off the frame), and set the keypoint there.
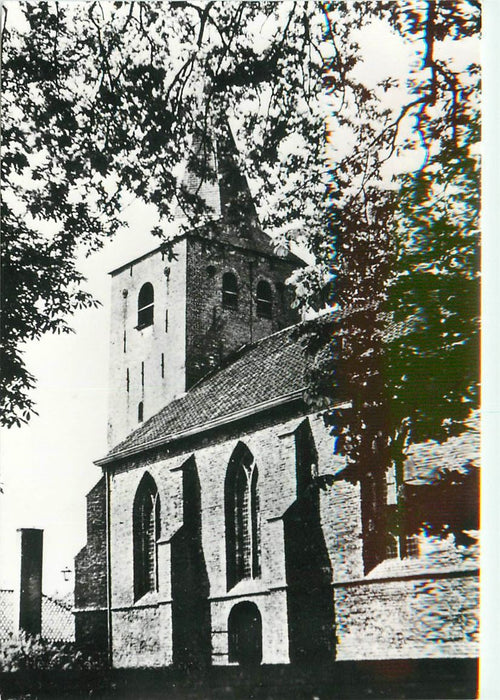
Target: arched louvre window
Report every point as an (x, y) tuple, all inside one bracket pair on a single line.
[(146, 527), (242, 510), (145, 305), (264, 299), (229, 291)]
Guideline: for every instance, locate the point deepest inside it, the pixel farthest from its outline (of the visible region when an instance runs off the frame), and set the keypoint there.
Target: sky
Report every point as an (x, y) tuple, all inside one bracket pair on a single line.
[(47, 466)]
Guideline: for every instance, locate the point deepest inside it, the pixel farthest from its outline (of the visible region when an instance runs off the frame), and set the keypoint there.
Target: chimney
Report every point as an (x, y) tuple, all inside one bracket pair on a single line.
[(28, 599)]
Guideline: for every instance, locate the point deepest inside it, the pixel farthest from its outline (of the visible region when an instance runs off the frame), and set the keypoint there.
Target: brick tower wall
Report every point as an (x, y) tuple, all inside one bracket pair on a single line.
[(212, 331), (146, 364)]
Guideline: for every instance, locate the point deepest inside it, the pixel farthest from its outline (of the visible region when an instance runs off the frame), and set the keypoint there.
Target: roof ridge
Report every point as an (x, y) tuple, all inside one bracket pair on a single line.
[(271, 348), (57, 601), (281, 330)]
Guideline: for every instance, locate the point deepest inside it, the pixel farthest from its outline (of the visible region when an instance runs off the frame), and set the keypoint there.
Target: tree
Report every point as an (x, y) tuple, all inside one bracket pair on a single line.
[(408, 359), (104, 99)]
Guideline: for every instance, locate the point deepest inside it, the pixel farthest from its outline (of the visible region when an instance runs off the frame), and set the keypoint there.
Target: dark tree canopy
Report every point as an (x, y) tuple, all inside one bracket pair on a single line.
[(101, 99), (379, 181)]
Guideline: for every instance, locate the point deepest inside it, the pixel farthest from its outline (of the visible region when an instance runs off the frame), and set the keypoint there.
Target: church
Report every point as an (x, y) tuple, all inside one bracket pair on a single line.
[(209, 541)]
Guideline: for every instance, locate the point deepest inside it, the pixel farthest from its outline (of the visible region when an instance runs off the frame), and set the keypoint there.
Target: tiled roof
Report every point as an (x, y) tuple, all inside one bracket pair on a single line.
[(271, 369), (6, 613), (57, 618), (268, 372)]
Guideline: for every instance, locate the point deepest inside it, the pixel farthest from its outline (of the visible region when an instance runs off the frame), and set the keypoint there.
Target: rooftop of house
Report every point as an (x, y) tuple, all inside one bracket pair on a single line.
[(57, 617)]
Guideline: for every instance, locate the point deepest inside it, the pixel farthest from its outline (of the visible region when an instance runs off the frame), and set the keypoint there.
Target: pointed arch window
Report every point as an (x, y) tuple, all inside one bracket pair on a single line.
[(229, 291), (145, 305), (264, 299), (242, 511), (146, 531)]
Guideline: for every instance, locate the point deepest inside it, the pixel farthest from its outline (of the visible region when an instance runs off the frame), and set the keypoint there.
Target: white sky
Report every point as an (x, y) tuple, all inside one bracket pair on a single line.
[(47, 466)]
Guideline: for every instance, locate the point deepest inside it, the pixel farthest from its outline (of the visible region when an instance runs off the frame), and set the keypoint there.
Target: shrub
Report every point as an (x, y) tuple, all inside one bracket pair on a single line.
[(25, 652)]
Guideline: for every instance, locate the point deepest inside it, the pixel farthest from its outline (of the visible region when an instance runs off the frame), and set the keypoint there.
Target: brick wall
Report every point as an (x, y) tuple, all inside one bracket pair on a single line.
[(413, 608), (155, 364), (90, 574), (214, 331), (90, 562), (273, 611), (141, 637), (140, 351), (432, 617), (151, 615)]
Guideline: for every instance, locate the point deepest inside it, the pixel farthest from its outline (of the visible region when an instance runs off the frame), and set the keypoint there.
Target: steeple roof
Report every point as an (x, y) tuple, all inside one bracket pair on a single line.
[(235, 218)]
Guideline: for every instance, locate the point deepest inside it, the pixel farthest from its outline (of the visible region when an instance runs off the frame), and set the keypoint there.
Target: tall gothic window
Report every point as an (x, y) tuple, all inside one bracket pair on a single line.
[(145, 305), (146, 527), (264, 299), (242, 517), (229, 291)]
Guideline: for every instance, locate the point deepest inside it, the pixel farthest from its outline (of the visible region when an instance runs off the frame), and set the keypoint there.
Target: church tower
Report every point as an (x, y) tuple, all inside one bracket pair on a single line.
[(174, 318)]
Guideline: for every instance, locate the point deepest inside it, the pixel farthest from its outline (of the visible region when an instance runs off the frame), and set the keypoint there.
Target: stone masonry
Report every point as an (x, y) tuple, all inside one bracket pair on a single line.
[(198, 387), (422, 608)]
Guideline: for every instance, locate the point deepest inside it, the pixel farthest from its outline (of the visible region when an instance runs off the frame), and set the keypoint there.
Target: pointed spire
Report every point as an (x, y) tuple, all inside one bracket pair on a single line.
[(214, 180), (237, 205), (200, 177), (213, 174)]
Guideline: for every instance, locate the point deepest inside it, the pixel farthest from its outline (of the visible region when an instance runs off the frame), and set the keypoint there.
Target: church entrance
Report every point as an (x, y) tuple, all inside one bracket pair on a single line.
[(245, 634)]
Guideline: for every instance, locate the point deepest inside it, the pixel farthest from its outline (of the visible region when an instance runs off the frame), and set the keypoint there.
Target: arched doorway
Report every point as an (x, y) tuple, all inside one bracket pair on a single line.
[(245, 634)]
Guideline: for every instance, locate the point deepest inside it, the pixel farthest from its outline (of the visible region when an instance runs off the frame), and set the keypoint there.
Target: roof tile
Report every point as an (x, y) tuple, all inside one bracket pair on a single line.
[(271, 368), (57, 618)]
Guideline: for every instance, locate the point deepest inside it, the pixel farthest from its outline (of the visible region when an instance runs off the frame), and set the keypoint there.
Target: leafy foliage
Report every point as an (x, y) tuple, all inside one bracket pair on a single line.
[(32, 653), (107, 99), (409, 355), (410, 255)]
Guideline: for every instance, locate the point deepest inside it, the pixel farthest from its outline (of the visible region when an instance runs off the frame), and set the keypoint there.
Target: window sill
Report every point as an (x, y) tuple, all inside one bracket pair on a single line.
[(149, 598), (247, 586)]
